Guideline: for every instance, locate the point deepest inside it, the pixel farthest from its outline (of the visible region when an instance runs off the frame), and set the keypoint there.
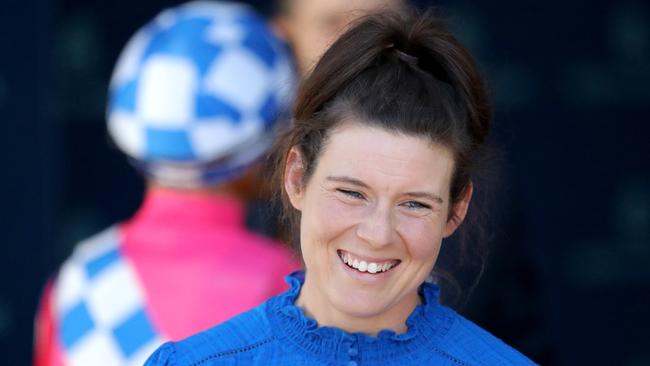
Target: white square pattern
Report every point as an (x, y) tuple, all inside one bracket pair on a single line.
[(107, 308)]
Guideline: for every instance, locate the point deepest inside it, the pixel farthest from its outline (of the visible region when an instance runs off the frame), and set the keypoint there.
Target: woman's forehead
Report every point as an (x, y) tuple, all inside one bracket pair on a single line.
[(357, 137), (385, 157)]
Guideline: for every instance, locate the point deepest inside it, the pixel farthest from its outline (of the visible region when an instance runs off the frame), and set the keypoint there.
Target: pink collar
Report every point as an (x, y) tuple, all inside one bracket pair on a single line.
[(163, 207)]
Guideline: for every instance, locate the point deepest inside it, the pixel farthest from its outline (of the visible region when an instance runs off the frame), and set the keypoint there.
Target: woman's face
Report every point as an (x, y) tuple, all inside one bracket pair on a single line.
[(373, 215)]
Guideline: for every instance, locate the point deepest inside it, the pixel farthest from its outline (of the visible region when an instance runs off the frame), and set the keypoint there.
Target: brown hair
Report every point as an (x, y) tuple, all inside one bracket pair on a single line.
[(403, 72)]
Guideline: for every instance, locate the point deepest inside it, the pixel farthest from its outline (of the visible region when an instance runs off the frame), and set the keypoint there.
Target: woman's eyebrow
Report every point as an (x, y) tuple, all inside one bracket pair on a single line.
[(345, 179), (433, 197)]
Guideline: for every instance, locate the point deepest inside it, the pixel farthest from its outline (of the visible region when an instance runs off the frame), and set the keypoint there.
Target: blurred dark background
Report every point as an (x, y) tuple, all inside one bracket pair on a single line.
[(569, 273)]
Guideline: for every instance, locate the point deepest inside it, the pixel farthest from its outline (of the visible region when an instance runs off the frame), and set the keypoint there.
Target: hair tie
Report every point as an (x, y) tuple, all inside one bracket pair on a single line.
[(409, 59)]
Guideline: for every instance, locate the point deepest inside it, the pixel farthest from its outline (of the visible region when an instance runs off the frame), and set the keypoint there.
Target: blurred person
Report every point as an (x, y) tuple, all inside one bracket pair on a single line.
[(311, 26), (376, 173), (195, 99)]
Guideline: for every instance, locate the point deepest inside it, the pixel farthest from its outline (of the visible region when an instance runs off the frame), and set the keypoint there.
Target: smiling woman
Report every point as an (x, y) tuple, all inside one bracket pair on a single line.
[(374, 174), (376, 200)]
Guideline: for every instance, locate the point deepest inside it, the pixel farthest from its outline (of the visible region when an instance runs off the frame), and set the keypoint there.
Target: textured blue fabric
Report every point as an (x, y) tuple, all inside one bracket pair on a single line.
[(278, 333)]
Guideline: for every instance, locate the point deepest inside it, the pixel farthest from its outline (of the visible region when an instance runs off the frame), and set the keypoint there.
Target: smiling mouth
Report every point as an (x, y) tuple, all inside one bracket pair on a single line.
[(367, 267)]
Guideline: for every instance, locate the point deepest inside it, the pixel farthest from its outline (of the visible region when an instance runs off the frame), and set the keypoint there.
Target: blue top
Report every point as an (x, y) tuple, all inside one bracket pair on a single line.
[(278, 333)]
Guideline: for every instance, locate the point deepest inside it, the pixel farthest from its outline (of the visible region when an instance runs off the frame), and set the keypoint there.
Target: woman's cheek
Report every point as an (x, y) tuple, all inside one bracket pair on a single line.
[(335, 217), (422, 237)]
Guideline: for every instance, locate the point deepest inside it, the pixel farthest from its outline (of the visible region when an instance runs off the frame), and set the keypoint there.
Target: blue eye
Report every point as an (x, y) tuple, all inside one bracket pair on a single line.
[(353, 194), (416, 205)]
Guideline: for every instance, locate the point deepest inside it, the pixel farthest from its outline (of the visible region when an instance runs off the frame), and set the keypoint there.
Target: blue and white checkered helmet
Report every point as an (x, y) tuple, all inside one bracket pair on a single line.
[(198, 92)]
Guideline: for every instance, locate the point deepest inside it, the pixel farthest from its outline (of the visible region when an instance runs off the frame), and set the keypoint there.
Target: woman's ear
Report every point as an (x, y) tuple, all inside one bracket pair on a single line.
[(459, 211), (294, 173)]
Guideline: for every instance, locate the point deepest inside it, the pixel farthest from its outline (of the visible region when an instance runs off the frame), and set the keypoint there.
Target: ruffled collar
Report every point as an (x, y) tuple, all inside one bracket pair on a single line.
[(427, 325)]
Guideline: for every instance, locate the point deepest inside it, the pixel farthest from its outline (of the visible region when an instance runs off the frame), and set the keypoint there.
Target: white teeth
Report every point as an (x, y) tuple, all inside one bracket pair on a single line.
[(363, 266), (373, 268)]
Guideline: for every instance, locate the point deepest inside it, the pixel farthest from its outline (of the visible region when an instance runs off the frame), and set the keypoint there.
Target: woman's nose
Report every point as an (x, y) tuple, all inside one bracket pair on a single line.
[(377, 227)]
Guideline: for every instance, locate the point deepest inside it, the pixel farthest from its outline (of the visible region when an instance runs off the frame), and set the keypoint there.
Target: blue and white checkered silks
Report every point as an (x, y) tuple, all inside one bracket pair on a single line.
[(197, 93), (100, 307)]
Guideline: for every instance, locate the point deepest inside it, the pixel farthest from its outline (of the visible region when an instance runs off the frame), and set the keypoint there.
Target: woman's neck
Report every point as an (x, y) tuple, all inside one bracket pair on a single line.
[(315, 304)]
